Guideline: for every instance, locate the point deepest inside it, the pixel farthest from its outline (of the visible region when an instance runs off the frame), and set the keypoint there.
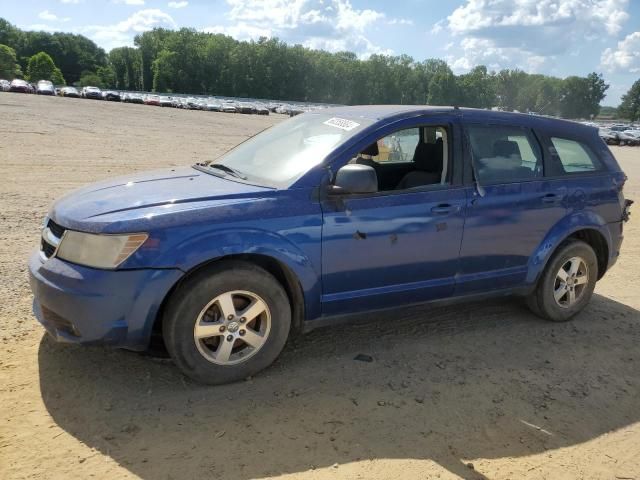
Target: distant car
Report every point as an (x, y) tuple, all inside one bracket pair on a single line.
[(193, 103), (213, 106), (245, 108), (152, 100), (5, 85), (166, 101), (229, 107), (91, 92), (111, 96), (625, 138), (609, 137), (71, 92), (137, 98), (20, 86), (262, 110), (45, 87)]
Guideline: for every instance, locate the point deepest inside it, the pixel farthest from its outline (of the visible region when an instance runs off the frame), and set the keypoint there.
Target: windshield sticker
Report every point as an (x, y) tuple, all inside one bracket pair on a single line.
[(342, 123)]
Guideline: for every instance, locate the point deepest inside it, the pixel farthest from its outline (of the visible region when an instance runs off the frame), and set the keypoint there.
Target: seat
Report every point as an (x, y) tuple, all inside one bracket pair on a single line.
[(505, 164), (506, 148), (427, 159), (510, 150)]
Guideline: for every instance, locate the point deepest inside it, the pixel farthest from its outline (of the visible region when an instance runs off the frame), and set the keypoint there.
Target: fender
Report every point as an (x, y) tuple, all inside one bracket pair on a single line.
[(564, 228), (205, 247)]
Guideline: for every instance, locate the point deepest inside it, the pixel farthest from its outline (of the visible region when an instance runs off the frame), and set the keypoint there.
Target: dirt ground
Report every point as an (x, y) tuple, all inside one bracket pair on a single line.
[(473, 391)]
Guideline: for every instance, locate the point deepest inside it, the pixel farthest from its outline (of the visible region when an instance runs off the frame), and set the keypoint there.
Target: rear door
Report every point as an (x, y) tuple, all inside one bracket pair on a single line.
[(505, 226)]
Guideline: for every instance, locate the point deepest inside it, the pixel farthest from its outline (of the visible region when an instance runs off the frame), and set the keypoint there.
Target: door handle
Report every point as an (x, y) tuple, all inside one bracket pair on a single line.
[(552, 198), (444, 209)]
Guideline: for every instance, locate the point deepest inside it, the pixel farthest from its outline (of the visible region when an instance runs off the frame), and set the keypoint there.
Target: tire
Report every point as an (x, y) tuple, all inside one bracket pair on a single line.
[(543, 301), (198, 327)]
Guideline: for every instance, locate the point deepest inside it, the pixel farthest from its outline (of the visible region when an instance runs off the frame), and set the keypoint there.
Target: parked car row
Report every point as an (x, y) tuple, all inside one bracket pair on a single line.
[(629, 137), (212, 104)]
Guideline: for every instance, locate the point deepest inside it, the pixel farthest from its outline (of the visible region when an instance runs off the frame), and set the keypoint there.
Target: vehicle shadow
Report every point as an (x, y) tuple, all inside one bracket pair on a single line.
[(448, 384)]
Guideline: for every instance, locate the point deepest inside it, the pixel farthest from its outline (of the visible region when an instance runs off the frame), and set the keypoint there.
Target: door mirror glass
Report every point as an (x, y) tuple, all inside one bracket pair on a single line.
[(355, 179)]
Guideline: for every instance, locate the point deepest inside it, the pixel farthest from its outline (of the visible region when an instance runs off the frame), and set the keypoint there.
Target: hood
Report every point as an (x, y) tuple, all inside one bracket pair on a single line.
[(145, 195)]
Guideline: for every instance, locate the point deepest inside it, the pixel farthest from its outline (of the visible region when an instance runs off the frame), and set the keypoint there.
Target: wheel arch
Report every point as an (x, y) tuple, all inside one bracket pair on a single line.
[(280, 270), (585, 226)]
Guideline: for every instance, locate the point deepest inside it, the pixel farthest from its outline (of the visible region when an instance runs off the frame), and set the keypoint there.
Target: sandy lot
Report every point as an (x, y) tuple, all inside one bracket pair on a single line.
[(483, 384)]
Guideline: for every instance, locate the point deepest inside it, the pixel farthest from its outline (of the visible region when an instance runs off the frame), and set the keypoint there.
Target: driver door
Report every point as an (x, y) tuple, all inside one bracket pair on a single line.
[(395, 246)]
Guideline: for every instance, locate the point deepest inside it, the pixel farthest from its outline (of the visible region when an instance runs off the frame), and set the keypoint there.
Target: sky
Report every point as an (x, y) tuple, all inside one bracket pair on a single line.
[(553, 37)]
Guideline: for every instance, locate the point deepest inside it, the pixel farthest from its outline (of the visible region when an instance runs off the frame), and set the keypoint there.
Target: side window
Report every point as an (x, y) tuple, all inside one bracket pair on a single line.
[(504, 154), (397, 147), (574, 156), (409, 158)]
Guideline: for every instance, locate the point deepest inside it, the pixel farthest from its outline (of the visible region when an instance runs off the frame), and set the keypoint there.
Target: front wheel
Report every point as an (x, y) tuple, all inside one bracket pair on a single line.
[(567, 283), (227, 322)]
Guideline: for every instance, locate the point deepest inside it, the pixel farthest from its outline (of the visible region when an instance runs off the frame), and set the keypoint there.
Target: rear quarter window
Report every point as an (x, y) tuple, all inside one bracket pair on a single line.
[(574, 156)]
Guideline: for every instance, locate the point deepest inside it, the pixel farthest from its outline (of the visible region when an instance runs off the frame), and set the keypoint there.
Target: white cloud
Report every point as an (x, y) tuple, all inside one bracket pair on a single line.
[(400, 21), (529, 33), (625, 57), (437, 27), (41, 27), (51, 17), (120, 34), (241, 31), (333, 25), (73, 2), (182, 4), (129, 2), (587, 15)]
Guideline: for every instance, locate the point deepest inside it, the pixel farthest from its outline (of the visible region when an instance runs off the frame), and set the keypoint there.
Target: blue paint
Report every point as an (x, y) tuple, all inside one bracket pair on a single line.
[(349, 254)]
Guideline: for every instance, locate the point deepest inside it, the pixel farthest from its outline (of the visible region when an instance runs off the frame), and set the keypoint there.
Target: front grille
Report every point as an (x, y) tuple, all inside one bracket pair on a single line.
[(59, 323), (47, 249), (56, 229)]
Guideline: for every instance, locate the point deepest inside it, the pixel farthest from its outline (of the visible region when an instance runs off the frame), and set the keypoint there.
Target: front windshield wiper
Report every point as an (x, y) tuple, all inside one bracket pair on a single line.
[(227, 169)]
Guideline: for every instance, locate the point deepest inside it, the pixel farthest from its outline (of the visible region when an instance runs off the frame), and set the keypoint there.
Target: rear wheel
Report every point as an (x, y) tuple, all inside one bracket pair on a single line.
[(567, 283), (227, 322)]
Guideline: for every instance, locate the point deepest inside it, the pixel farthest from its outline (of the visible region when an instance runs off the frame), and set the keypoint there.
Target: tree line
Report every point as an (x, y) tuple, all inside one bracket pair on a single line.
[(189, 61)]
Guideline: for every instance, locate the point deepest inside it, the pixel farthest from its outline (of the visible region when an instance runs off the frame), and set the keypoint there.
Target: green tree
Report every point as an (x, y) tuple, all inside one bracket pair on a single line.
[(107, 76), (90, 79), (41, 67), (630, 106), (9, 68), (443, 88), (477, 88), (581, 96), (127, 68)]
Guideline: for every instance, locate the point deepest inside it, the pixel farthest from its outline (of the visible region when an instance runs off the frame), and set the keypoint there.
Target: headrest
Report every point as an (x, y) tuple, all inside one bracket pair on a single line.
[(371, 150), (506, 148)]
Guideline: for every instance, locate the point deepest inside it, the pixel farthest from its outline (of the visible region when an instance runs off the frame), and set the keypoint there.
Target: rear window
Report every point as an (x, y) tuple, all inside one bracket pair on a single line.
[(504, 154), (575, 157)]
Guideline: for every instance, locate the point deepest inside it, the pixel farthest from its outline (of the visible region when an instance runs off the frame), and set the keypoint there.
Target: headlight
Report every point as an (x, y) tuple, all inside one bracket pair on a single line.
[(98, 251)]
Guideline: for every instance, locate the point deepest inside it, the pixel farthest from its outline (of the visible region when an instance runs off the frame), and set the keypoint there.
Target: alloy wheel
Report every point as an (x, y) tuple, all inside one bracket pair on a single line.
[(571, 282), (232, 327)]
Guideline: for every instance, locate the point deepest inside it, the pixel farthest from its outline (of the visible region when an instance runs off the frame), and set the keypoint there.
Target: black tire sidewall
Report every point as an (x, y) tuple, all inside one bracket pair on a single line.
[(197, 291), (546, 301)]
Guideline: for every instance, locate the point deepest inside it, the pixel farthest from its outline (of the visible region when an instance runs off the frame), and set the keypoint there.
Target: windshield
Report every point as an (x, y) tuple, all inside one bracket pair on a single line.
[(282, 154)]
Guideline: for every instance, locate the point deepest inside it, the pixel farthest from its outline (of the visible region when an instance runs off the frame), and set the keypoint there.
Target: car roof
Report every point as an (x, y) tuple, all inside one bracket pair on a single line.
[(376, 113)]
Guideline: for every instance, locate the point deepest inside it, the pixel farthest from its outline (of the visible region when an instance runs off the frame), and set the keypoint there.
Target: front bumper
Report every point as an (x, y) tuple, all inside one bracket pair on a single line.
[(109, 307)]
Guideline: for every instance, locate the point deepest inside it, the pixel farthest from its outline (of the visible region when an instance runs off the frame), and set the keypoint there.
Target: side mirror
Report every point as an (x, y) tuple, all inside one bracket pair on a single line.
[(355, 179)]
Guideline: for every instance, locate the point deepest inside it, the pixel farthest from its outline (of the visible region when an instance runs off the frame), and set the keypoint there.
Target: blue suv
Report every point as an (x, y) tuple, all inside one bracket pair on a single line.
[(329, 214)]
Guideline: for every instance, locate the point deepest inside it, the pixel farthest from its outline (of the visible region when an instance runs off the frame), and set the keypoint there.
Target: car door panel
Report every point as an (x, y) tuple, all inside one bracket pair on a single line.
[(390, 249), (502, 230)]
